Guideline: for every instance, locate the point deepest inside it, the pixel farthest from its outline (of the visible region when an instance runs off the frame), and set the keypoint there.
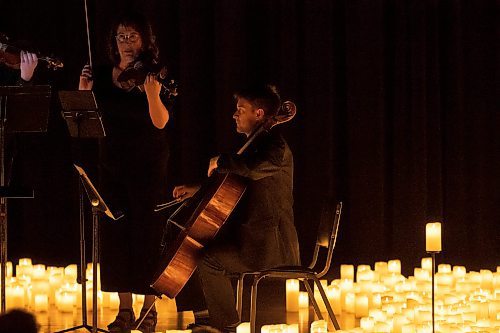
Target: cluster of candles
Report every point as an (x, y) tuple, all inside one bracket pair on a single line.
[(36, 287), (385, 301)]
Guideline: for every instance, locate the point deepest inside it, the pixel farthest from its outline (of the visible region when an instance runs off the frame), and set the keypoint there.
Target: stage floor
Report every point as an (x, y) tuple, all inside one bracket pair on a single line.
[(271, 310)]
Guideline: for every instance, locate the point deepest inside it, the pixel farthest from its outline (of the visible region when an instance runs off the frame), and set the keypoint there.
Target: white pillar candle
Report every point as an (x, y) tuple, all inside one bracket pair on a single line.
[(433, 237), (303, 300), (38, 272), (293, 328), (367, 323), (459, 272), (65, 301), (14, 296), (427, 264), (394, 266), (408, 328), (421, 274), (335, 298), (486, 279), (243, 328), (444, 268), (381, 267), (381, 327), (319, 326), (398, 322), (347, 272), (350, 302), (41, 303), (292, 295), (71, 272), (361, 305)]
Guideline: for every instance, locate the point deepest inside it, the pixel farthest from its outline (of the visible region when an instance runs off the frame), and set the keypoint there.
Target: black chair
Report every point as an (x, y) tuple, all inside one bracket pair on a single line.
[(327, 236)]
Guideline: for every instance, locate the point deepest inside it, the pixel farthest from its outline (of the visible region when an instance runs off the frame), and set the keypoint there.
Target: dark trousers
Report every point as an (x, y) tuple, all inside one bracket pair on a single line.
[(210, 286)]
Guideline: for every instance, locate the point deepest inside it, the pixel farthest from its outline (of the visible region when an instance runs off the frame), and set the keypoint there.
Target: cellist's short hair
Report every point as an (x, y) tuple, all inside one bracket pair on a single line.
[(262, 96), (136, 20), (18, 320)]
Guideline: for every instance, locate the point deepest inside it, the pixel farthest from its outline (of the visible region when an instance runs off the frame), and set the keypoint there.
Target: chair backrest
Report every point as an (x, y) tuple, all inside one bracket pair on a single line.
[(327, 233)]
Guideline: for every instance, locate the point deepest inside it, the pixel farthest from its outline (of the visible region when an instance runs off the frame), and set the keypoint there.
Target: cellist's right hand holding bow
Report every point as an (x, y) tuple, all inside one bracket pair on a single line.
[(183, 192), (86, 81)]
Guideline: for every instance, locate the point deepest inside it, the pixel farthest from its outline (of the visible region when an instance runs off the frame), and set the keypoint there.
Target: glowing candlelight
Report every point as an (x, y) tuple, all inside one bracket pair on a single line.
[(243, 328), (347, 272), (292, 295), (433, 237), (361, 305), (319, 326), (394, 266), (41, 303), (303, 299)]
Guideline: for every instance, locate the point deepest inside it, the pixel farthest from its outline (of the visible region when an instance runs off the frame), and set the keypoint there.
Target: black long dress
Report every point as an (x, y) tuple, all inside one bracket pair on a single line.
[(133, 171)]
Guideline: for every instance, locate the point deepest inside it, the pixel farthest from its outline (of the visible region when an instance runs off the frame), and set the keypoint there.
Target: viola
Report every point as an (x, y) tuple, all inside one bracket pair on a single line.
[(135, 74), (11, 56)]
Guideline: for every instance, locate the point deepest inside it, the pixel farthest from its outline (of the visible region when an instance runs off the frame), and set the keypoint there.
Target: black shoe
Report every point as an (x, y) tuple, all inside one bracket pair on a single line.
[(197, 328), (148, 325), (124, 321)]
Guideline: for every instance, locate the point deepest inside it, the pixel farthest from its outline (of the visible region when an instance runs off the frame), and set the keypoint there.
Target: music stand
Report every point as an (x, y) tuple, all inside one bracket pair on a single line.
[(22, 109), (79, 109)]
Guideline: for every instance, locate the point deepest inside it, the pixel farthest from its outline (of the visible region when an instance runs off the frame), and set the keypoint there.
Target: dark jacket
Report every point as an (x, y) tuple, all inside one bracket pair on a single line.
[(262, 222)]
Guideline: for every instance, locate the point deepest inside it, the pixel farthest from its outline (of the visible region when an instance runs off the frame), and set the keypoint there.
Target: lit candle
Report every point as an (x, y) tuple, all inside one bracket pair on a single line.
[(65, 301), (71, 273), (486, 279), (444, 268), (243, 328), (293, 328), (394, 266), (14, 297), (427, 264), (433, 237), (347, 272), (303, 300), (381, 327), (335, 298), (350, 302), (38, 272), (367, 324), (319, 326), (459, 272), (381, 267), (292, 295), (41, 303), (361, 306), (398, 322)]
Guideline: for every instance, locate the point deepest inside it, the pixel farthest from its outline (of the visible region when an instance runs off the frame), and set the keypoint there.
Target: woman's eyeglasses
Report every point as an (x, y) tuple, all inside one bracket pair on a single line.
[(122, 38)]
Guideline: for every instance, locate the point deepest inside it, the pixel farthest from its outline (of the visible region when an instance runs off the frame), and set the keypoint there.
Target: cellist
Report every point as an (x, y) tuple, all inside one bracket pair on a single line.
[(260, 233)]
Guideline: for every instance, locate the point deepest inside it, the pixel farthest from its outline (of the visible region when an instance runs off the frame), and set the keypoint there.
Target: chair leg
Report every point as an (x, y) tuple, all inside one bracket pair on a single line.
[(239, 296), (312, 299), (327, 304), (253, 304)]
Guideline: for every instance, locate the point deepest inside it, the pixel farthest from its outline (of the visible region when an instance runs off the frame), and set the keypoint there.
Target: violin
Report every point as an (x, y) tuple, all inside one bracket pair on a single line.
[(11, 56), (135, 74)]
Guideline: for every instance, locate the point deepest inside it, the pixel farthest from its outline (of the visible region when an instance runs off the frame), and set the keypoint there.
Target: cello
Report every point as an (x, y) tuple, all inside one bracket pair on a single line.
[(204, 214)]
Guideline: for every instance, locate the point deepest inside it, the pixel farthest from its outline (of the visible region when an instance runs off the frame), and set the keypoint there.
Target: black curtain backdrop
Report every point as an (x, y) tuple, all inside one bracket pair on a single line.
[(397, 115)]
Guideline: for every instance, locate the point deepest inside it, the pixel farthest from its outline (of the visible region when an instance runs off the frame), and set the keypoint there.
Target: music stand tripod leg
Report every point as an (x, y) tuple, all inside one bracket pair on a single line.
[(83, 277)]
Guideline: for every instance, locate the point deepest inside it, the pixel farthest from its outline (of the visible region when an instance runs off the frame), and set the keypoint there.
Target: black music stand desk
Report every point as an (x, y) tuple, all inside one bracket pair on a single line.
[(22, 110)]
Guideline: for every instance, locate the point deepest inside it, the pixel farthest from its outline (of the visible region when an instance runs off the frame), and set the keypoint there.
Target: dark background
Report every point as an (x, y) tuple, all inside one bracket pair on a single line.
[(397, 115)]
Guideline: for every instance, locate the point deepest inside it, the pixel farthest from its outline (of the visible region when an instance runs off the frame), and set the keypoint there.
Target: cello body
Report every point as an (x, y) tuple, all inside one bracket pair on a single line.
[(210, 209)]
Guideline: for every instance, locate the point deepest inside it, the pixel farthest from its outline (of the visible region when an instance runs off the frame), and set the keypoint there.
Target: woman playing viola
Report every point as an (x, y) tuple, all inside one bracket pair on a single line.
[(134, 157)]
